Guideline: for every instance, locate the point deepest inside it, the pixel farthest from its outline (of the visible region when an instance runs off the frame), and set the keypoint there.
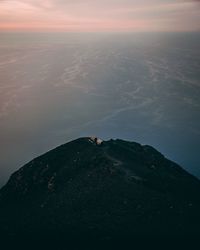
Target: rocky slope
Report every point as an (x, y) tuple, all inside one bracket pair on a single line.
[(89, 189)]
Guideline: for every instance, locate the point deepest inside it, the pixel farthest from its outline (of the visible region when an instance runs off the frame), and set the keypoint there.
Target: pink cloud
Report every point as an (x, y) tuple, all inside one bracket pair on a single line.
[(104, 15)]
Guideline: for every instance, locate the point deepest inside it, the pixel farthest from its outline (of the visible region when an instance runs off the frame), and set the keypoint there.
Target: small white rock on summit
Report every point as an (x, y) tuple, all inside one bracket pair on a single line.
[(95, 140)]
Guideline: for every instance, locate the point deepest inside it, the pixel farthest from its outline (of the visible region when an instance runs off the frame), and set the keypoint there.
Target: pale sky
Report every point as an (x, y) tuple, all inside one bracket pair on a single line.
[(100, 15)]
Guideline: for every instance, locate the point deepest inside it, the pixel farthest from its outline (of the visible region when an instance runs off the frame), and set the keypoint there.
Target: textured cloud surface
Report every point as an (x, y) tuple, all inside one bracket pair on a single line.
[(100, 15)]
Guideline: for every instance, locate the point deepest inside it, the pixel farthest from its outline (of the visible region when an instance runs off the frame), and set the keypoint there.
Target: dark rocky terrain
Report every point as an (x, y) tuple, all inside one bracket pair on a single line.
[(92, 190)]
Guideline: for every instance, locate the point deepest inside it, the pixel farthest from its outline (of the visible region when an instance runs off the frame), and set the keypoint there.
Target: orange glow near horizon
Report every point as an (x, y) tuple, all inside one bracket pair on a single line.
[(94, 16)]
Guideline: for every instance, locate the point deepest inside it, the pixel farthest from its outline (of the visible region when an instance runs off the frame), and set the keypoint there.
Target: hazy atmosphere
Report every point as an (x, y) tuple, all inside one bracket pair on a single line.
[(96, 15), (115, 69)]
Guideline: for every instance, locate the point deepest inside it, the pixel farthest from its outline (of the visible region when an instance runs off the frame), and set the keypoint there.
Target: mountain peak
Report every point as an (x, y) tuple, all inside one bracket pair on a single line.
[(104, 188)]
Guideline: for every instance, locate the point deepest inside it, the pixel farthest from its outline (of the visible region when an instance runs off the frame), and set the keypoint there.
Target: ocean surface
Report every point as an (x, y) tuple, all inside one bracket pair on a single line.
[(55, 87)]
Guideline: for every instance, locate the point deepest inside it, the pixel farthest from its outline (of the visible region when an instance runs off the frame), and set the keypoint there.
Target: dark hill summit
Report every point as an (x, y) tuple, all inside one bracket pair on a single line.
[(93, 189)]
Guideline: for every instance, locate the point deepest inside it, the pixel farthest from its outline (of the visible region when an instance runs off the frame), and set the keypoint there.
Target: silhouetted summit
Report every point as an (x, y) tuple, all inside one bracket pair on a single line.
[(94, 189)]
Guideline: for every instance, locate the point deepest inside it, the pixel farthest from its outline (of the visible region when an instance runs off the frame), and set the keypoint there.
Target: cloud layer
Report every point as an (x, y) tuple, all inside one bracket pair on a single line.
[(100, 15)]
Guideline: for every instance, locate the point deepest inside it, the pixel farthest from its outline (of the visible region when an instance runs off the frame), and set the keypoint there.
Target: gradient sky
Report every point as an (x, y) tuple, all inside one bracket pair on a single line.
[(99, 15)]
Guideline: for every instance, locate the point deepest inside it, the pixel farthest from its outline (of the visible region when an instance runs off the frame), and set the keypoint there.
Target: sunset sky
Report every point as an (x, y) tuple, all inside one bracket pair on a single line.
[(99, 15)]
